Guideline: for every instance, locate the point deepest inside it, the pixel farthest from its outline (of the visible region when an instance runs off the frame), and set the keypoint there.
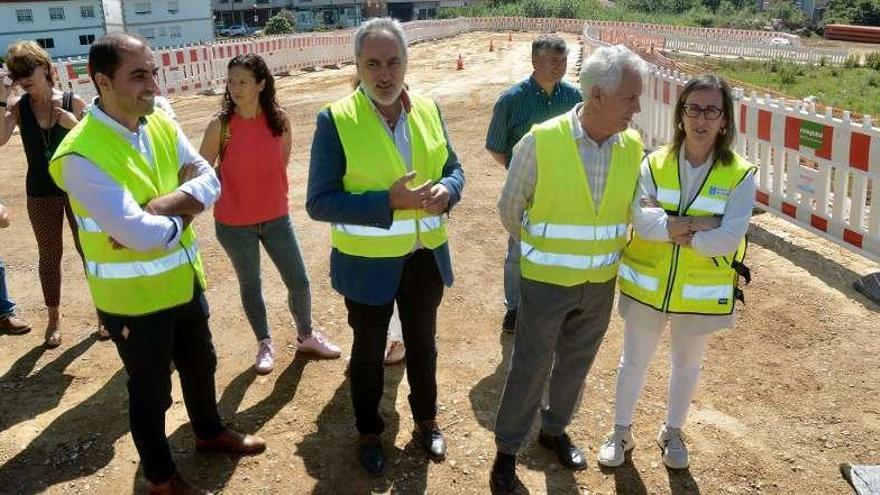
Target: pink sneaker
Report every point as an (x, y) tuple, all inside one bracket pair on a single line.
[(318, 344), (395, 352), (265, 361)]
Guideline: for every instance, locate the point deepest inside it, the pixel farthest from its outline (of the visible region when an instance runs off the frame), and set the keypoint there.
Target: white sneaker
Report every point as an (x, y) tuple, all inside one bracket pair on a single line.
[(675, 453), (265, 361), (613, 451), (320, 345)]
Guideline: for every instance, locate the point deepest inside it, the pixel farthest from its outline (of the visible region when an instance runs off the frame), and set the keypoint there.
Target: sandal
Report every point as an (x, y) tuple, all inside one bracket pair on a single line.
[(395, 352), (53, 338)]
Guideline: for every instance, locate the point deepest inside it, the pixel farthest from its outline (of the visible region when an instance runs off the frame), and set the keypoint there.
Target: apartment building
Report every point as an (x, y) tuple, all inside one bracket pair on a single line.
[(66, 28)]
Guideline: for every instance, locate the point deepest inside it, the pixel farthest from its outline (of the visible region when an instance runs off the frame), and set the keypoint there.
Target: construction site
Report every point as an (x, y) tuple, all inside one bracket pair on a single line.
[(786, 396)]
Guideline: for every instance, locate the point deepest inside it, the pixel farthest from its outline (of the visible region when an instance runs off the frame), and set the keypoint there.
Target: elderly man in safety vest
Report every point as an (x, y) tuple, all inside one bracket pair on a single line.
[(135, 183), (567, 199), (384, 173)]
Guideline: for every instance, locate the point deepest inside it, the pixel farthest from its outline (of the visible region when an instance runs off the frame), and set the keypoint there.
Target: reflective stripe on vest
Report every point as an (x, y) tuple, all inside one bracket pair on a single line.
[(134, 269), (646, 282), (703, 292), (398, 227), (575, 261), (670, 196), (577, 232)]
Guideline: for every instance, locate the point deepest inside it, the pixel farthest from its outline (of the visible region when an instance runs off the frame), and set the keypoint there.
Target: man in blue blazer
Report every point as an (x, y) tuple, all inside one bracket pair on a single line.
[(384, 174)]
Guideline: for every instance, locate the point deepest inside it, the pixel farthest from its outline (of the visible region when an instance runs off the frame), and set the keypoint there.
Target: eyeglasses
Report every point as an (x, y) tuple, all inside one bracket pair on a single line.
[(693, 111)]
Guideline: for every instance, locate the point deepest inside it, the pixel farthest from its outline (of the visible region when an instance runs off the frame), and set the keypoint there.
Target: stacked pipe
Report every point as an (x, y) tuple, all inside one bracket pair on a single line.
[(846, 32)]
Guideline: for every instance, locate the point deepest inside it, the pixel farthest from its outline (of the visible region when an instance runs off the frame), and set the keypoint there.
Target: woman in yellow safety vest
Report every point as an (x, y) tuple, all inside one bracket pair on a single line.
[(683, 264)]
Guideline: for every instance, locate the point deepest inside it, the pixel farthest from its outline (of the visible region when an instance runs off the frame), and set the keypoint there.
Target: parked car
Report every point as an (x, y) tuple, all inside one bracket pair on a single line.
[(234, 30), (780, 41)]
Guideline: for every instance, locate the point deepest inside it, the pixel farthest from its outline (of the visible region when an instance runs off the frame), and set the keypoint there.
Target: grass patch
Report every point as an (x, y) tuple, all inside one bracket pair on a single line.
[(856, 89)]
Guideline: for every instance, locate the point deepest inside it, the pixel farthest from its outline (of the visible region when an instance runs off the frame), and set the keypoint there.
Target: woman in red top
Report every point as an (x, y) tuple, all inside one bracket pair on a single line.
[(250, 141)]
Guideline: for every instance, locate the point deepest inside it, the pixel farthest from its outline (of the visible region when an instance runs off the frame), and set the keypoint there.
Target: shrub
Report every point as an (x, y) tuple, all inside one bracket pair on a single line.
[(851, 61)]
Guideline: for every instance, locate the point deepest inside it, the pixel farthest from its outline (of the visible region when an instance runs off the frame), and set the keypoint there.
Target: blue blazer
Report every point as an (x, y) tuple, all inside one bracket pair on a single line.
[(365, 280)]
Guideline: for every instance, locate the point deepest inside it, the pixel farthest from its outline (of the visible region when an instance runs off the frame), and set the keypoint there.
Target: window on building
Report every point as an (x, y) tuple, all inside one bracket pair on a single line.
[(161, 32), (224, 1), (174, 31), (148, 33), (56, 13), (86, 39), (87, 11), (173, 7), (46, 43), (143, 8), (24, 15), (262, 1)]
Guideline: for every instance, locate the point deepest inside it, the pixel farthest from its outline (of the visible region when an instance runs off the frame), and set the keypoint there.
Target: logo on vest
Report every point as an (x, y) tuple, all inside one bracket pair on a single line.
[(722, 301), (718, 191)]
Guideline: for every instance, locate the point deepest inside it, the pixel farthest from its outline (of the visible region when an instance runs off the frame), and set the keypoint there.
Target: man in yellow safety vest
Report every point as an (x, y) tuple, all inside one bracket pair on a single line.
[(567, 200), (389, 241), (135, 183)]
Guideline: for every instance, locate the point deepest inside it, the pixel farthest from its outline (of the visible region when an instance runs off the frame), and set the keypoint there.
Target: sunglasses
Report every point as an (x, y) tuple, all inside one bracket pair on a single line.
[(711, 113), (16, 75)]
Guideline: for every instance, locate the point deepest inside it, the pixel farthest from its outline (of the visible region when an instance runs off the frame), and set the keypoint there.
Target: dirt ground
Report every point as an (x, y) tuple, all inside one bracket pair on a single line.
[(785, 397)]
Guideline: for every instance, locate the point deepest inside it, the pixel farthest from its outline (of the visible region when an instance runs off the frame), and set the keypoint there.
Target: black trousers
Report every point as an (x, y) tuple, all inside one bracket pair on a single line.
[(418, 297), (179, 335)]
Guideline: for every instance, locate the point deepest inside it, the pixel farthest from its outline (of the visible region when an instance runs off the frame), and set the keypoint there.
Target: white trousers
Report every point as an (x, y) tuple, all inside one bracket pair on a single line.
[(641, 337)]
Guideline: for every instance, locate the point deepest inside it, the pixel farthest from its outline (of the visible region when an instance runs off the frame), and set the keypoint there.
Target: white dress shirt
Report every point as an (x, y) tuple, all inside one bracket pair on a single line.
[(115, 209)]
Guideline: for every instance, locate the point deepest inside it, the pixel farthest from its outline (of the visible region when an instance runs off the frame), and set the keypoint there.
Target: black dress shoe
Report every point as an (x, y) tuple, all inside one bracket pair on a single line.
[(509, 323), (568, 454), (503, 480), (371, 455), (431, 439)]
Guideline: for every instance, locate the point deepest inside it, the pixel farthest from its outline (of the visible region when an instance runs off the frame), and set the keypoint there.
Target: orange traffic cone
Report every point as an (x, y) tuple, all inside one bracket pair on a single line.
[(491, 45), (509, 36), (459, 65)]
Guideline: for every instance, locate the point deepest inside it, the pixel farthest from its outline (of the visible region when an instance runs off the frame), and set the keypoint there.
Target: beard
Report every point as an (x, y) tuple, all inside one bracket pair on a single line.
[(384, 100)]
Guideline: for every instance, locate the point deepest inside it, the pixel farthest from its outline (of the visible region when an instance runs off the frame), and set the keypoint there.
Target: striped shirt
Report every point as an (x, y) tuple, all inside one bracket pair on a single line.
[(523, 105), (522, 177)]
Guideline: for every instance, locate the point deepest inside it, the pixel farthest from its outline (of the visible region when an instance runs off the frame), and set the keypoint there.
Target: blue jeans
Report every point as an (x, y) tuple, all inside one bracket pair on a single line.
[(242, 245), (511, 274), (6, 305)]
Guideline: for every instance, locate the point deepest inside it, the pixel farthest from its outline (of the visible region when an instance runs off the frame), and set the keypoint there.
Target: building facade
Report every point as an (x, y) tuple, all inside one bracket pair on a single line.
[(63, 28), (66, 28)]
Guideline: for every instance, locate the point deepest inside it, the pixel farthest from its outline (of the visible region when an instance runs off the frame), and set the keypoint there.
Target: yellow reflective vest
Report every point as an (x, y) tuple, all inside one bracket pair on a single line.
[(677, 279), (125, 281), (564, 240), (374, 164)]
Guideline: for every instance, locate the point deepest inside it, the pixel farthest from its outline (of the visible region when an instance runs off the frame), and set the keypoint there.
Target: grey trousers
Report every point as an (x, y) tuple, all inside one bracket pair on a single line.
[(558, 332)]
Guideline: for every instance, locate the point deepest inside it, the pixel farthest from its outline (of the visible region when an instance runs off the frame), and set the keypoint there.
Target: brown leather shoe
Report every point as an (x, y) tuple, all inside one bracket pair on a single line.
[(232, 442), (175, 486), (13, 325)]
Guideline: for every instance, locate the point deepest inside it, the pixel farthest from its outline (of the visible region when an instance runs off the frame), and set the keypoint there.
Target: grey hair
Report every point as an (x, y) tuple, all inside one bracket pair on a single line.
[(549, 42), (604, 68), (377, 25)]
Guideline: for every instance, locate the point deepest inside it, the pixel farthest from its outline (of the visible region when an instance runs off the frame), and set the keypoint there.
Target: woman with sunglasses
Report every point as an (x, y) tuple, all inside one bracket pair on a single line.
[(684, 261), (43, 115)]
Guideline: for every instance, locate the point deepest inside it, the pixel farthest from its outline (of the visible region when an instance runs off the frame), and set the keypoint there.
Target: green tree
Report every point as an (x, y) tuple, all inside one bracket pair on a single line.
[(861, 12), (785, 10), (280, 23)]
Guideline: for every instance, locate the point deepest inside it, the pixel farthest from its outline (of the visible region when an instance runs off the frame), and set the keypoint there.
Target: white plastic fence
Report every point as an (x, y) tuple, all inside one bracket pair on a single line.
[(753, 49)]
